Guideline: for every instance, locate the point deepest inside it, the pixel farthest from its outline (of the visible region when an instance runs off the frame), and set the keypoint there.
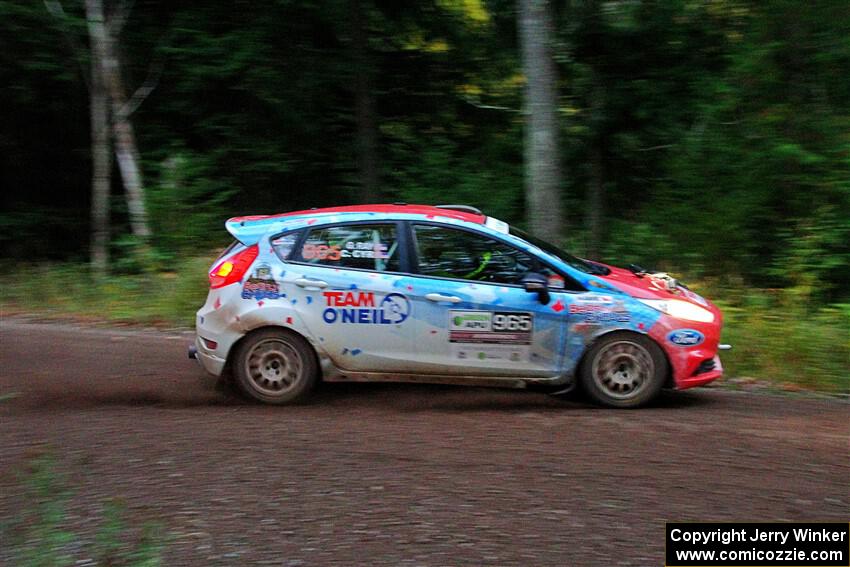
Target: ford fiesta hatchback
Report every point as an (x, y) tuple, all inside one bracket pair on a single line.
[(445, 295)]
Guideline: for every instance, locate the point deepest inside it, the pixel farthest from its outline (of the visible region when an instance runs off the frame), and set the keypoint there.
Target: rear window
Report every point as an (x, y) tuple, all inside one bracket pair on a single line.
[(360, 246), (284, 244)]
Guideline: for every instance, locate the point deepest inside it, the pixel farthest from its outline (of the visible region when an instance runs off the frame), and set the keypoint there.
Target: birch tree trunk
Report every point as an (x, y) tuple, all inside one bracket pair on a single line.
[(100, 140), (542, 167), (367, 127), (126, 150)]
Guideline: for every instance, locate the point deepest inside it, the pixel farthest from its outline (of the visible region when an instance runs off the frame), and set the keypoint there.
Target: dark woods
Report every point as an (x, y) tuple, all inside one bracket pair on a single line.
[(708, 137)]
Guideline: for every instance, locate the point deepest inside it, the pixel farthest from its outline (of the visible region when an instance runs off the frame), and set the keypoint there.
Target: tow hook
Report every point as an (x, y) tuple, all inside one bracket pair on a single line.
[(193, 352)]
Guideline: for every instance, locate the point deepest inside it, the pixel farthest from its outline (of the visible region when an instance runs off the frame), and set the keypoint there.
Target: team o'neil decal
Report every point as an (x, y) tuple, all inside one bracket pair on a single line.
[(362, 308), (685, 337)]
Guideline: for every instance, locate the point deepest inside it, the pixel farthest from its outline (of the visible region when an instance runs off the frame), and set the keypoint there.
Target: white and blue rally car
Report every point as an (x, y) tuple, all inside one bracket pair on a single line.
[(444, 295)]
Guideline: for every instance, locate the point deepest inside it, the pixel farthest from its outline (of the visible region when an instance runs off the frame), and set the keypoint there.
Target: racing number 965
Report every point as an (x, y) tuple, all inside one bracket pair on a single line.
[(512, 322)]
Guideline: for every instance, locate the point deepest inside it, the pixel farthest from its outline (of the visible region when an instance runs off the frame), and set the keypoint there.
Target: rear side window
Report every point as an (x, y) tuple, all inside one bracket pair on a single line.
[(284, 244), (362, 246)]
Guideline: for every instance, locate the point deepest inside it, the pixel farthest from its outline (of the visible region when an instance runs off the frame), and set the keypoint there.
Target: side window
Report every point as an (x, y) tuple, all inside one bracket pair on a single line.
[(449, 253), (284, 243), (366, 247)]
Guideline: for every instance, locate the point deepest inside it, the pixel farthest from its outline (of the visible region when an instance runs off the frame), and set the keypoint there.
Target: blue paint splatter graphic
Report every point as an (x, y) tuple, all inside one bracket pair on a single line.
[(352, 286), (309, 299), (355, 352), (294, 301)]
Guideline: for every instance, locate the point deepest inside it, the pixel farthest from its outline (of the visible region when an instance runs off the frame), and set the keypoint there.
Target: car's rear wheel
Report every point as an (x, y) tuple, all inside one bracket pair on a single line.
[(275, 367), (623, 370)]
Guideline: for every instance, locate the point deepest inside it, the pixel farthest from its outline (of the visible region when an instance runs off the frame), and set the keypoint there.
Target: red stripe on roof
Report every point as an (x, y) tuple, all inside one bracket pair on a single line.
[(425, 210)]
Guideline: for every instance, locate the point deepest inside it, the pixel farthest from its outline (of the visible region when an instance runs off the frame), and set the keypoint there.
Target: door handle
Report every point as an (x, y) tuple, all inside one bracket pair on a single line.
[(441, 297), (306, 282)]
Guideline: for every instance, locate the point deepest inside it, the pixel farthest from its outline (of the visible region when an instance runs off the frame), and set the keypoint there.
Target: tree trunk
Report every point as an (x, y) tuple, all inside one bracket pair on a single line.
[(596, 189), (100, 140), (543, 174), (126, 150), (365, 113), (595, 204)]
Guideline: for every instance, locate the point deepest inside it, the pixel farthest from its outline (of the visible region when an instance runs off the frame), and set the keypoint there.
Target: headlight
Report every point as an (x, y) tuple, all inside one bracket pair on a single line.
[(680, 309)]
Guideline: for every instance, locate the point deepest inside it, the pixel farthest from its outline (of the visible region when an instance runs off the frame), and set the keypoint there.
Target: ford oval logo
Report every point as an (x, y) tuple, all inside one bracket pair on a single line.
[(686, 337)]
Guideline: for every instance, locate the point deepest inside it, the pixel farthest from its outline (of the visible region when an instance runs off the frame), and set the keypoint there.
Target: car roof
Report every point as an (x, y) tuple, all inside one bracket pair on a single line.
[(428, 211)]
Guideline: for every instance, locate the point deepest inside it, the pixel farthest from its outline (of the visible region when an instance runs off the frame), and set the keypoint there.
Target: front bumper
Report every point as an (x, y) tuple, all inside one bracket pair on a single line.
[(702, 378)]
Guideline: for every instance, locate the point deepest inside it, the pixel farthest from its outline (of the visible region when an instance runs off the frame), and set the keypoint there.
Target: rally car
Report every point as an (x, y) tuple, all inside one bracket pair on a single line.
[(442, 294)]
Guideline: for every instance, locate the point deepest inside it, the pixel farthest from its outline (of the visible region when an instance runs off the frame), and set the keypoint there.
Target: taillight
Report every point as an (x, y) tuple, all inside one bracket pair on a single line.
[(231, 269)]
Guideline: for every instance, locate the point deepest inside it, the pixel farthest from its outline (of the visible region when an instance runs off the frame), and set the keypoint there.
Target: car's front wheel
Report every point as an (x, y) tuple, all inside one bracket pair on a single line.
[(623, 370), (275, 367)]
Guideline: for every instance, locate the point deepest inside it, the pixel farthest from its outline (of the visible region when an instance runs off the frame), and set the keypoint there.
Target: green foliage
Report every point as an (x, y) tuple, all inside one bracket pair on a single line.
[(46, 540), (779, 337), (186, 206), (42, 537), (160, 298)]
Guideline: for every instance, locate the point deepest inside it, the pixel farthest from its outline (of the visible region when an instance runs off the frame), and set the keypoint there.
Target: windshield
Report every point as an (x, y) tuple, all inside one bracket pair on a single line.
[(566, 257)]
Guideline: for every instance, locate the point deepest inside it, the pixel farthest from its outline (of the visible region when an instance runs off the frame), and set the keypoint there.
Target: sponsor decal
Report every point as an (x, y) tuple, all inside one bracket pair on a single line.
[(685, 337), (593, 299), (600, 310), (490, 336), (362, 308), (261, 285)]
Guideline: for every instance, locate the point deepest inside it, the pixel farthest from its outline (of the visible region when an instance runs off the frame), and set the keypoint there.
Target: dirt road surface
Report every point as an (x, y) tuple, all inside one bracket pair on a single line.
[(398, 474)]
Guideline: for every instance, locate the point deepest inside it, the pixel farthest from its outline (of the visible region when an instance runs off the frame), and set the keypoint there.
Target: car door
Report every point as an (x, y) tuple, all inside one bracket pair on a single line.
[(345, 287), (472, 315)]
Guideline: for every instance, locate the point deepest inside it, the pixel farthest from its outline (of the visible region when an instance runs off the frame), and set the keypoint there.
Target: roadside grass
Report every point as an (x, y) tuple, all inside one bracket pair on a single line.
[(42, 534), (779, 337), (155, 298)]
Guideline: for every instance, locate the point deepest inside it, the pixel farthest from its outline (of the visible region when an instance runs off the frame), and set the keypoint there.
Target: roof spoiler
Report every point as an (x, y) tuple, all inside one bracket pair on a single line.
[(249, 230)]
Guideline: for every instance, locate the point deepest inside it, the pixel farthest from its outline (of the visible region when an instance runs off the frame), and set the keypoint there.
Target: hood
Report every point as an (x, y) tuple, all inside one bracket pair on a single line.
[(648, 286)]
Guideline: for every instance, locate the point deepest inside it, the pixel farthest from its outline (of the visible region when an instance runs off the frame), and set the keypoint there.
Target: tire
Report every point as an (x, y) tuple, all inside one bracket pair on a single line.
[(623, 370), (275, 367)]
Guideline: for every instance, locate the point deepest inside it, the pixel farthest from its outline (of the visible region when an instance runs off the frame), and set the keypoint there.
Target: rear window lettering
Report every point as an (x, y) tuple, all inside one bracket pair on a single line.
[(364, 247)]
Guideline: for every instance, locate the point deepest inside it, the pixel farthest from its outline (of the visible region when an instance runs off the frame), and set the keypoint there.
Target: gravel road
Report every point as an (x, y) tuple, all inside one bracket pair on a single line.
[(398, 474)]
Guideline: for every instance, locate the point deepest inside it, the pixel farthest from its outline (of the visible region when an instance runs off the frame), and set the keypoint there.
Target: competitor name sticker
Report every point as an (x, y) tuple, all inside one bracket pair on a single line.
[(334, 253), (490, 336), (685, 337), (362, 308)]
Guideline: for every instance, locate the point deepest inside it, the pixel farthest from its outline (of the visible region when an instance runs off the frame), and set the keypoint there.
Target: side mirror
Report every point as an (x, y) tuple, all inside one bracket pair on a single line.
[(537, 283)]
